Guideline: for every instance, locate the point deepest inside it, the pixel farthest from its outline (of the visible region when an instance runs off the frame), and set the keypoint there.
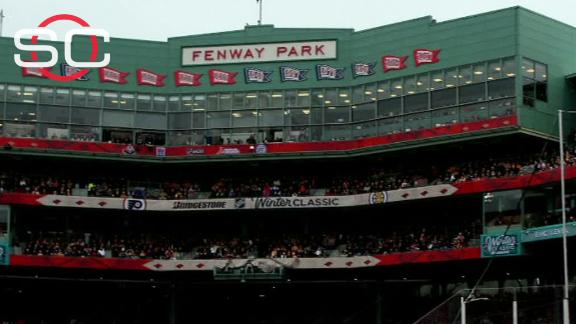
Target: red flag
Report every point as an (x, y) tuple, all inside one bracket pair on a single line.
[(112, 75), (146, 77), (425, 56), (390, 63), (222, 77), (187, 79), (34, 72)]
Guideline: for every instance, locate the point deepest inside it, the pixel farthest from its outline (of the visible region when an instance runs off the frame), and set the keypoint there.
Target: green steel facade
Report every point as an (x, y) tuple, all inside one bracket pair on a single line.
[(502, 63)]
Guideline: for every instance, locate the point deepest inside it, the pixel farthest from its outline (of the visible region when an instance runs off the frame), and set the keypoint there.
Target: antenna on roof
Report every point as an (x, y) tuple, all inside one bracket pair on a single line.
[(260, 15), (1, 21)]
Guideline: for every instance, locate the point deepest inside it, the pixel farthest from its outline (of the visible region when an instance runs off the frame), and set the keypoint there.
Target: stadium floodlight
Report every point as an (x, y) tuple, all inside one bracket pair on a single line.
[(565, 301)]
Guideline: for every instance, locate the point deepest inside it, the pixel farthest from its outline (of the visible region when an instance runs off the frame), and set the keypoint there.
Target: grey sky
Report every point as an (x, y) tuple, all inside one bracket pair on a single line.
[(158, 20)]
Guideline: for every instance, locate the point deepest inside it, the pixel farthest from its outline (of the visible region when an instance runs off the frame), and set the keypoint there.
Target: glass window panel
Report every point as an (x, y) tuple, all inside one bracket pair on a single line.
[(541, 72), (437, 80), (303, 99), (144, 102), (199, 103), (528, 68), (344, 96), (117, 118), (363, 130), (78, 98), (187, 103), (62, 97), (271, 117), (151, 138), (509, 67), (238, 101), (417, 122), (174, 103), (337, 114), (264, 98), (452, 78), (245, 118), (55, 114), (501, 108), (390, 107), (12, 129), (84, 133), (410, 85), (159, 103), (337, 132), (529, 88), (47, 95), (238, 135), (20, 112), (417, 102), (277, 99), (290, 98), (30, 95), (422, 83), (179, 138), (119, 136), (444, 117), (217, 120), (358, 94), (318, 98), (479, 72), (128, 101), (472, 113), (330, 97), (298, 116), (94, 99), (299, 134), (180, 120), (110, 100), (85, 116), (151, 120), (316, 133), (443, 98), (370, 92), (316, 115), (363, 112), (501, 88), (225, 101), (396, 88), (382, 90), (212, 102), (54, 131), (14, 93), (472, 93), (494, 70), (465, 75), (198, 120), (388, 126), (542, 91)]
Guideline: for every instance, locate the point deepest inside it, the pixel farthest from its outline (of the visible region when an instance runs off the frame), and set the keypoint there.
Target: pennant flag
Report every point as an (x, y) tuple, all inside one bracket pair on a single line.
[(327, 72), (425, 56), (257, 76), (222, 77), (67, 70), (390, 63), (187, 79), (292, 74), (363, 69), (108, 74), (146, 77), (34, 72)]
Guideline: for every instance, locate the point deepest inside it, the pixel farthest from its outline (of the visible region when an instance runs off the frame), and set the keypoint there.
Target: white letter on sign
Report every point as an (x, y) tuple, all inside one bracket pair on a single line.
[(87, 32), (35, 48)]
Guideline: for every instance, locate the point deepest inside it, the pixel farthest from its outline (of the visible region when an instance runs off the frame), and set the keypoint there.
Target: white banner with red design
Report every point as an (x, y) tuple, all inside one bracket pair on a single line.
[(146, 77), (222, 77), (426, 56), (187, 79), (108, 74)]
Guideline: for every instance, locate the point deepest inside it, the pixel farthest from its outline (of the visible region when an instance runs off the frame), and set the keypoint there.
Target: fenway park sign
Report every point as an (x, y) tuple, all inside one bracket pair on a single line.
[(251, 53)]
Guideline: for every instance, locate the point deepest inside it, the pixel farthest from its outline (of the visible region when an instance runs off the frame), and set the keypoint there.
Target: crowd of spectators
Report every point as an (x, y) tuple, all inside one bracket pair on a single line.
[(284, 246), (377, 180)]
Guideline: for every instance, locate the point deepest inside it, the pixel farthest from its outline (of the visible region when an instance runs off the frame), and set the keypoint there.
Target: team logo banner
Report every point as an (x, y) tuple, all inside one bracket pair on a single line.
[(257, 76), (67, 70), (391, 63), (327, 72), (146, 77), (33, 72), (292, 74), (112, 75), (500, 245), (363, 69), (187, 79), (425, 56), (222, 77)]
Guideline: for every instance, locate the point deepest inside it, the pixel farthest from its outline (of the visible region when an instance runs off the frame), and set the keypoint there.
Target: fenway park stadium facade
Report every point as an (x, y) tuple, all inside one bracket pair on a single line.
[(286, 175)]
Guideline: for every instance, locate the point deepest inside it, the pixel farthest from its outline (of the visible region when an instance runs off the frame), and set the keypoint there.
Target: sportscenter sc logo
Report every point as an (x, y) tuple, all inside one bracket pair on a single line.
[(43, 30)]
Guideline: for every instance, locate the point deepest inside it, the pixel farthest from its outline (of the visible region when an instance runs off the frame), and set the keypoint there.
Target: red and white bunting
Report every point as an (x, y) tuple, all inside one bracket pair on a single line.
[(146, 77), (34, 72), (392, 63), (426, 56), (112, 75), (222, 77), (187, 79)]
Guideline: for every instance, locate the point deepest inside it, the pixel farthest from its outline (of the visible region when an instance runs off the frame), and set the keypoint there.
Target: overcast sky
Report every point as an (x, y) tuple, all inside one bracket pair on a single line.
[(159, 20)]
